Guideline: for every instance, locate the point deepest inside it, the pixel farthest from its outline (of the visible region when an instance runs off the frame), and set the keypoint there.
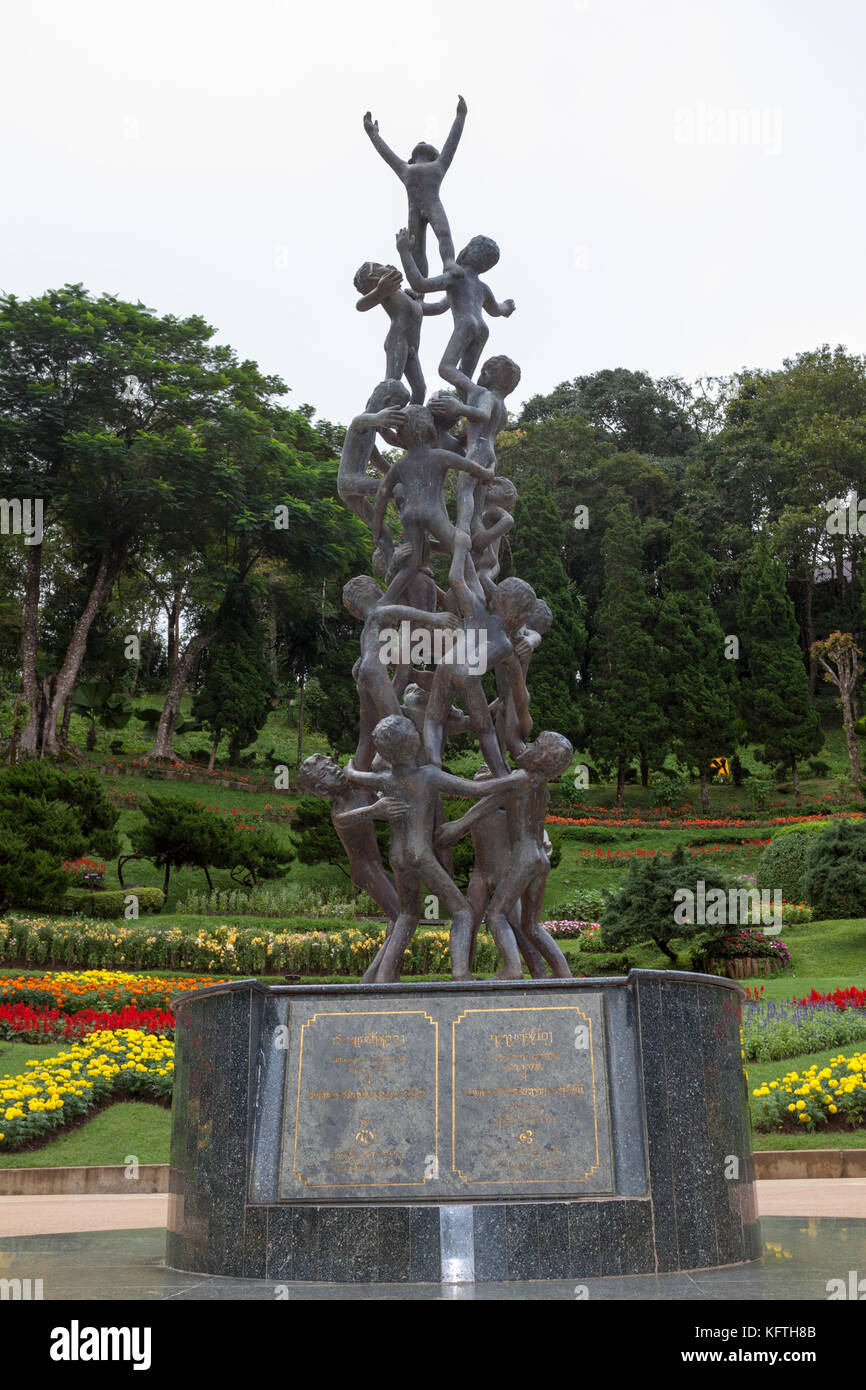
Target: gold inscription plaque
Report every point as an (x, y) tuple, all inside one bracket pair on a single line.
[(366, 1110), (528, 1105)]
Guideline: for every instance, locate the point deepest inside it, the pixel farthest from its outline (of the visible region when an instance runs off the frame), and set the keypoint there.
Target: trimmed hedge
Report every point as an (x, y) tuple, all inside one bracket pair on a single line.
[(783, 862), (111, 902)]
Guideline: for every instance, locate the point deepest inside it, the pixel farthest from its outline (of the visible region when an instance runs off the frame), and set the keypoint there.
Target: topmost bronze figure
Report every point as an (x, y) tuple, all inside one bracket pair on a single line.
[(422, 175)]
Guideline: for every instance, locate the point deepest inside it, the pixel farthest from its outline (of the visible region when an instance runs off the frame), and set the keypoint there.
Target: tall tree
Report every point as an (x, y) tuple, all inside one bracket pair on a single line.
[(628, 408), (235, 692), (698, 680), (840, 657), (537, 556), (774, 683), (624, 716), (99, 404)]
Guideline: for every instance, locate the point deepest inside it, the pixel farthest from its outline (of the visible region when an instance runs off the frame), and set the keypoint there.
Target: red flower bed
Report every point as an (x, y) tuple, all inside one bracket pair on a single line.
[(850, 998), (25, 1024)]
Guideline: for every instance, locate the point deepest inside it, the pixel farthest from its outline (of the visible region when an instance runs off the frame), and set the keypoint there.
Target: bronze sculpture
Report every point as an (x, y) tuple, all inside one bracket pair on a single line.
[(407, 710)]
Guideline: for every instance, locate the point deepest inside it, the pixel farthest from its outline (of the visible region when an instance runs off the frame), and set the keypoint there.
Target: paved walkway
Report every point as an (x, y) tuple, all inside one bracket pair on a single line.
[(38, 1216), (19, 1216)]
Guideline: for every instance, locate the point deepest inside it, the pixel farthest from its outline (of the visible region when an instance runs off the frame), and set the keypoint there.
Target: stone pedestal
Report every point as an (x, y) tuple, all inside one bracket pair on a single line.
[(454, 1132)]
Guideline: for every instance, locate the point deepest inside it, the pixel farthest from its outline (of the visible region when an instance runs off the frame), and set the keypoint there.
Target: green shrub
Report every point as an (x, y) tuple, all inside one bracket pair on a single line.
[(583, 906), (783, 862), (645, 904), (48, 814), (111, 902), (836, 870), (667, 789)]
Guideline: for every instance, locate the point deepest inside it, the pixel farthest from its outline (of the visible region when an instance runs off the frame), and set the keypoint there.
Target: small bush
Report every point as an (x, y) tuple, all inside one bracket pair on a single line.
[(583, 906), (819, 768), (835, 876), (667, 789), (783, 862)]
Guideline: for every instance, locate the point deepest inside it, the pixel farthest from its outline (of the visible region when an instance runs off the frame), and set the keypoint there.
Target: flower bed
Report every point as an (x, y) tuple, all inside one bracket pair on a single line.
[(104, 1066), (697, 851), (745, 953), (23, 1024), (226, 950), (596, 815), (71, 992), (834, 1096), (849, 998), (587, 933), (787, 1028)]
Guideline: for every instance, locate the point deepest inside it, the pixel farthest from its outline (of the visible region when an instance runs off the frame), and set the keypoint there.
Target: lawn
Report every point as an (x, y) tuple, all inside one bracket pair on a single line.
[(129, 1129)]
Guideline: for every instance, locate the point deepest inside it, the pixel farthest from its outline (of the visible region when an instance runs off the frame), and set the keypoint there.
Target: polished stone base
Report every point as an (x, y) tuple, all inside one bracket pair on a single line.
[(459, 1133)]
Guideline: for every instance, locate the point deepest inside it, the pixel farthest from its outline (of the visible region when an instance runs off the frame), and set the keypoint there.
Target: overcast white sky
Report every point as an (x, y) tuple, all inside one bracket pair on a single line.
[(210, 158)]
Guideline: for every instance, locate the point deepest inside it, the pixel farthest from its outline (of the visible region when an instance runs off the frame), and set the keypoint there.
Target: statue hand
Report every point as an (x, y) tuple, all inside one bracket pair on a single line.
[(523, 648), (508, 308), (394, 809), (390, 419), (370, 124), (390, 281), (441, 403), (462, 108), (448, 620), (401, 553), (404, 241)]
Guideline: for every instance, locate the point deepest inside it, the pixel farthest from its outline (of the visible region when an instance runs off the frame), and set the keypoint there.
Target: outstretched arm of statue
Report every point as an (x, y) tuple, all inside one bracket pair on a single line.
[(453, 830), (449, 149), (397, 164), (386, 808), (418, 281), (462, 786), (398, 613)]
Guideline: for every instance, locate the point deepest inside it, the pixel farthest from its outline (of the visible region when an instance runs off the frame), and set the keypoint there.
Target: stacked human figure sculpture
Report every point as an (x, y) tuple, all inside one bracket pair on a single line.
[(409, 703)]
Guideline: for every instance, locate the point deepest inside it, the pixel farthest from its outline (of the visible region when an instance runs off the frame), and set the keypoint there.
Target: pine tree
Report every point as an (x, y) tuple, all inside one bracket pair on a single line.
[(236, 687), (537, 548), (624, 715), (774, 683), (698, 680)]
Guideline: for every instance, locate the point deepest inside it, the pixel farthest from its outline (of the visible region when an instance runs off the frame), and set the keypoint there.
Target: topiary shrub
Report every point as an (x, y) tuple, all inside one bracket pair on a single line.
[(783, 863), (835, 875), (111, 902)]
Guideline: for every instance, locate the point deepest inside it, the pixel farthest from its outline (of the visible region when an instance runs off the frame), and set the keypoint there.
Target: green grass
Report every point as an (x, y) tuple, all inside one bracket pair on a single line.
[(130, 1128), (14, 1056)]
